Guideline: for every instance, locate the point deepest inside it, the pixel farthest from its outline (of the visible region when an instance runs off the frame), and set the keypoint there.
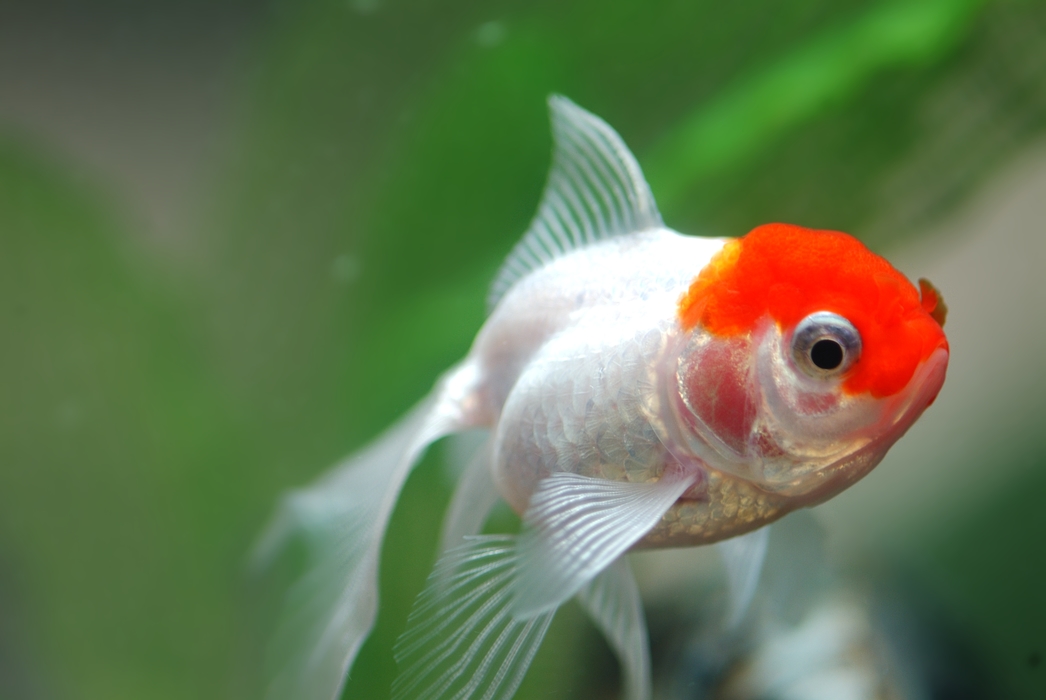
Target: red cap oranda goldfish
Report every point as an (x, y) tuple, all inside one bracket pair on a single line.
[(641, 388)]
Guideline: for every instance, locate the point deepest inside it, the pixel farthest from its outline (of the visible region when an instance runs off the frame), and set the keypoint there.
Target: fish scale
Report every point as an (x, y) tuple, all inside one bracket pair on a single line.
[(591, 402)]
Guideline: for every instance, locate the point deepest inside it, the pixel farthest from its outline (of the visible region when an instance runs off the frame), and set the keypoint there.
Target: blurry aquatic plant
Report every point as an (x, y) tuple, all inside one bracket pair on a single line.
[(820, 74)]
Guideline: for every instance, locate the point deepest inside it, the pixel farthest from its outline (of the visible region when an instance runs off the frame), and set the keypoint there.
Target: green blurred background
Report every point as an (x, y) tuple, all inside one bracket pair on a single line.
[(238, 238)]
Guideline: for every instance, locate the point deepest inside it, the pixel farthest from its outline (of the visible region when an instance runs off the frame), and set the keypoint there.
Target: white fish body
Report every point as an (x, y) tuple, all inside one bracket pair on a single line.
[(603, 435), (576, 350)]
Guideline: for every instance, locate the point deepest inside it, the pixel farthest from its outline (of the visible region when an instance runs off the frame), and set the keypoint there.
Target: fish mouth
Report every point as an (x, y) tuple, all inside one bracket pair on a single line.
[(926, 385)]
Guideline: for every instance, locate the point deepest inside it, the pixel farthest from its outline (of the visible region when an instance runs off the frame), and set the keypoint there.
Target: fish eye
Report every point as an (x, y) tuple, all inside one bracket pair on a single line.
[(825, 345)]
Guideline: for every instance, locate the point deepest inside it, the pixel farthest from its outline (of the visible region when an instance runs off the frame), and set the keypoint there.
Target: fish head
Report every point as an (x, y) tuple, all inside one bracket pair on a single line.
[(804, 357)]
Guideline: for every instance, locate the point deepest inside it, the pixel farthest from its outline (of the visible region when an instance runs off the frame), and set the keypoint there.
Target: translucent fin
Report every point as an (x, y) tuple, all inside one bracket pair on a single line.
[(462, 640), (595, 190), (743, 557), (797, 573), (576, 526), (612, 601), (330, 609), (475, 495)]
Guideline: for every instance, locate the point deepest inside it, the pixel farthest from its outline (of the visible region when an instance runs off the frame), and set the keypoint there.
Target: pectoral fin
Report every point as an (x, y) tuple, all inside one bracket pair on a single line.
[(575, 526), (468, 634)]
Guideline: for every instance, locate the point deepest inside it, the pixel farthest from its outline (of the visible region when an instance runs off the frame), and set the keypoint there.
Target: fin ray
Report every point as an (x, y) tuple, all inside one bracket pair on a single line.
[(595, 190), (489, 651), (576, 526), (475, 628)]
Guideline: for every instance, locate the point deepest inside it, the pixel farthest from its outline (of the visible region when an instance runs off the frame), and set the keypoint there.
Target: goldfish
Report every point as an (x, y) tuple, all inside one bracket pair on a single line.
[(639, 388)]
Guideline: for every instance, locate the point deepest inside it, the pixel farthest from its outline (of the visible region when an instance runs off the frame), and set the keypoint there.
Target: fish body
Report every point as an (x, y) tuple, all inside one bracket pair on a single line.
[(641, 388), (593, 395)]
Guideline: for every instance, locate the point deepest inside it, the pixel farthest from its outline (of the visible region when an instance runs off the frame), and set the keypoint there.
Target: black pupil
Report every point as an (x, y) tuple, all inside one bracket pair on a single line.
[(827, 354)]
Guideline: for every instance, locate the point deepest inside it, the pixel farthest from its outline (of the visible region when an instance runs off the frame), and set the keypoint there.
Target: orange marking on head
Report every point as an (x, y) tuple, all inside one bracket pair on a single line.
[(788, 272)]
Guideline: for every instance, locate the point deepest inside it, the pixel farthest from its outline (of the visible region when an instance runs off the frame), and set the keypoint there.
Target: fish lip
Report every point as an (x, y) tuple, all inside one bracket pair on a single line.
[(929, 380)]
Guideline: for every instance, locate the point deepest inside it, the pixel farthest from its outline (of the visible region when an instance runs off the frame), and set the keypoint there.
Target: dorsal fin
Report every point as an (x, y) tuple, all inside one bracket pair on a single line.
[(595, 190)]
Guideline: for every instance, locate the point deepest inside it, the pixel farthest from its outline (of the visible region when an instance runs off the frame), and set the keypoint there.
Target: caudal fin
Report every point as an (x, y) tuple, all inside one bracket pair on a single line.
[(341, 518)]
